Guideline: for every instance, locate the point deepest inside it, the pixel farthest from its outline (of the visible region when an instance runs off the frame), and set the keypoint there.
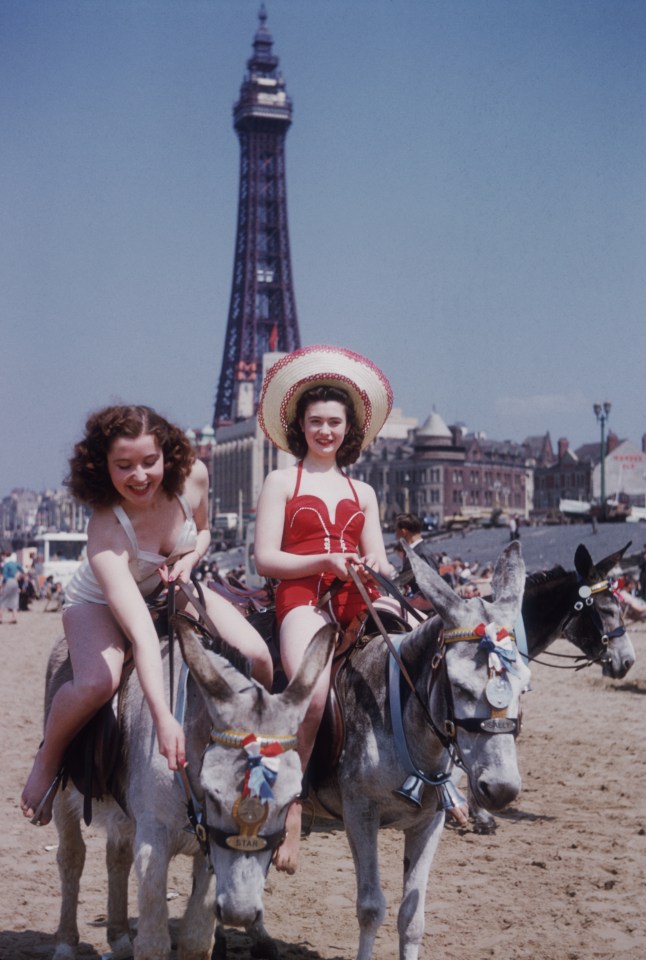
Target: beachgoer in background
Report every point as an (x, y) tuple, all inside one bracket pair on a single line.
[(324, 405), (408, 527), (54, 596), (149, 527), (27, 590), (10, 592), (642, 573)]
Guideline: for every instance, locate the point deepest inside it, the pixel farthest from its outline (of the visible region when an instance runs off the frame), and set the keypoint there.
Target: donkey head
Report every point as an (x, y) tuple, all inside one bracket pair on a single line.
[(478, 700), (598, 622), (250, 771)]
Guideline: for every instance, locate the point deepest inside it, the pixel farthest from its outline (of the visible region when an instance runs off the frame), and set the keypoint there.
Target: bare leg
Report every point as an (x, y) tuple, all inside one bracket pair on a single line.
[(297, 629), (236, 630), (96, 647)]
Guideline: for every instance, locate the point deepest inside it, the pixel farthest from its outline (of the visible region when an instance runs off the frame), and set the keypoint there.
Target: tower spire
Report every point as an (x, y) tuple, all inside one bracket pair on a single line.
[(262, 309)]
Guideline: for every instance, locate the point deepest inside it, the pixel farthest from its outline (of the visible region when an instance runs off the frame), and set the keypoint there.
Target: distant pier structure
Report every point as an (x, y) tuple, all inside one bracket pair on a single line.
[(262, 312)]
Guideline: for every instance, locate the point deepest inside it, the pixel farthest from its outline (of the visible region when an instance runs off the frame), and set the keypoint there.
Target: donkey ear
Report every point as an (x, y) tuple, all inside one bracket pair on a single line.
[(508, 580), (211, 671), (583, 563), (605, 566), (432, 585), (316, 656)]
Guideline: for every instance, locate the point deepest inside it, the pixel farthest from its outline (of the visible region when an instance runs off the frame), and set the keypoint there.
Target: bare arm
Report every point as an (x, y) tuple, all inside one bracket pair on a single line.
[(271, 559), (108, 556), (197, 492), (372, 541)]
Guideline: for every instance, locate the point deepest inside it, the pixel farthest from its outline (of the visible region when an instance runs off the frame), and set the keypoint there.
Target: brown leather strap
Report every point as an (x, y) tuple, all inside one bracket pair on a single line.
[(331, 592), (380, 627)]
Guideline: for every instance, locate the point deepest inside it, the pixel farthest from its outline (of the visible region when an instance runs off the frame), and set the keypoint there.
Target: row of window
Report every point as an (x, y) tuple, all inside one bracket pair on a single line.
[(423, 477)]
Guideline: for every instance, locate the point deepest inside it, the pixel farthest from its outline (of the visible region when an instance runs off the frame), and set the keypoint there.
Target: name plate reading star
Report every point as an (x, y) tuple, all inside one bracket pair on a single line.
[(250, 814)]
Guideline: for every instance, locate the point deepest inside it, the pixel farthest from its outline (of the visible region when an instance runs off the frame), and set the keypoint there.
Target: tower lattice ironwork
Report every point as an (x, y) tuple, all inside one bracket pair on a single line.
[(262, 312)]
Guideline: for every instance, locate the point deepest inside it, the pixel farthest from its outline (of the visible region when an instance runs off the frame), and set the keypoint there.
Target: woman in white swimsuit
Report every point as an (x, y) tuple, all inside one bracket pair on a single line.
[(149, 526)]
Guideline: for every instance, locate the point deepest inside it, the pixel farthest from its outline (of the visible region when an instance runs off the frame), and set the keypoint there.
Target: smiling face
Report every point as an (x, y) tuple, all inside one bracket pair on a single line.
[(324, 425), (136, 468)]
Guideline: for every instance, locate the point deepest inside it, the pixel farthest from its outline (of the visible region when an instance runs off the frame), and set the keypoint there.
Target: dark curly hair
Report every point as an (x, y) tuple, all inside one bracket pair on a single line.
[(89, 480), (350, 449)]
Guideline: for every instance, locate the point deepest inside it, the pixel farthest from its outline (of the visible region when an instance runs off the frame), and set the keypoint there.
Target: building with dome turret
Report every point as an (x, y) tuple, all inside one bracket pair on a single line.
[(440, 472)]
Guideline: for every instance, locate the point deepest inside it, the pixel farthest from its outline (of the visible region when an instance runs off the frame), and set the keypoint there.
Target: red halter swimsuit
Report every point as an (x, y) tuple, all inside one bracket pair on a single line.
[(309, 530)]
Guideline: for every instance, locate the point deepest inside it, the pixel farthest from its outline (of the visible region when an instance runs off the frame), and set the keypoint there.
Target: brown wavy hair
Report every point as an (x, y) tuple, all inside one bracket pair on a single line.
[(350, 449), (89, 480)]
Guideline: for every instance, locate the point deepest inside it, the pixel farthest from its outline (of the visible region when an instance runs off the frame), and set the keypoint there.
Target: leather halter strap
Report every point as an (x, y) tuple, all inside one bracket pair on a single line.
[(236, 739), (456, 634)]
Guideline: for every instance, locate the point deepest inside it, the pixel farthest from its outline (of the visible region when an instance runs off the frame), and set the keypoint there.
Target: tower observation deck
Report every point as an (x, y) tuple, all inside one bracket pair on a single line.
[(262, 311)]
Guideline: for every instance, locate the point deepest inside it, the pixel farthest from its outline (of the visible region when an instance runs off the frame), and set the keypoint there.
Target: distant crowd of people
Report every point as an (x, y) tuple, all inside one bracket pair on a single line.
[(467, 579), (21, 586)]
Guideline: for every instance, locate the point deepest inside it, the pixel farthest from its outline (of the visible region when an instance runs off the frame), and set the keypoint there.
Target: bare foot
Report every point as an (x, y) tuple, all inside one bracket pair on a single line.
[(38, 796), (286, 856), (460, 813)]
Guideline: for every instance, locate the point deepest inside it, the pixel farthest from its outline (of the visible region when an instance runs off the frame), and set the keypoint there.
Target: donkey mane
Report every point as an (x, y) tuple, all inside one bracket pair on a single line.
[(546, 576)]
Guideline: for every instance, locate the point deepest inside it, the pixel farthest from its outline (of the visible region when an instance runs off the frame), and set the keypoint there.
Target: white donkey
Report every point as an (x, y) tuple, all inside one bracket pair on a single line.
[(401, 743), (243, 772)]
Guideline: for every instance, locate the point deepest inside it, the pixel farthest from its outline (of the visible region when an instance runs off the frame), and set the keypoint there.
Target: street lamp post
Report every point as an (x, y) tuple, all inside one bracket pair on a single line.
[(601, 412)]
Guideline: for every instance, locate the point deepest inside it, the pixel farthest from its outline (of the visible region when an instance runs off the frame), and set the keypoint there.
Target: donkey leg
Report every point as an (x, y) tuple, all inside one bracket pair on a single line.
[(70, 858), (151, 857), (196, 934), (119, 862), (419, 849), (362, 825)]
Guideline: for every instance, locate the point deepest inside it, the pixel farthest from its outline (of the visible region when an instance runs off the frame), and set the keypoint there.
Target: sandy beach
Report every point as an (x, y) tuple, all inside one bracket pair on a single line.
[(562, 878)]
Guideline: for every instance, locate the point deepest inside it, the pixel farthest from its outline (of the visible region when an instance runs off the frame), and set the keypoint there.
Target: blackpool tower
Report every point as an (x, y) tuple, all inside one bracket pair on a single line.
[(262, 311)]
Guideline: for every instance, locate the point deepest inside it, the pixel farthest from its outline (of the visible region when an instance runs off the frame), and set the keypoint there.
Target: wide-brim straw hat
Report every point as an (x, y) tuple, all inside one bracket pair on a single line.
[(321, 365)]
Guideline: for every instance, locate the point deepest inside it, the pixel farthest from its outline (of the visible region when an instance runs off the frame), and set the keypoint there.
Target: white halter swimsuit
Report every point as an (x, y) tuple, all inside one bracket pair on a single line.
[(84, 587)]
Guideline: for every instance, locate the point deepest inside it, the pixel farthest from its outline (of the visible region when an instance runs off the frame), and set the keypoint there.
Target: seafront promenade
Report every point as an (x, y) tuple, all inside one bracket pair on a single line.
[(545, 546)]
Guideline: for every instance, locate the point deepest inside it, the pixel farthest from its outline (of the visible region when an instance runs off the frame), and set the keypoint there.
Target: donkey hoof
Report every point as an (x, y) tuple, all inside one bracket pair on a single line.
[(122, 948), (64, 951), (219, 951), (265, 950), (484, 826)]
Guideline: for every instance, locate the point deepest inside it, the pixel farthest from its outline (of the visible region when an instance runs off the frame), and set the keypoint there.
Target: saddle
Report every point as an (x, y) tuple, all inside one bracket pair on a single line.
[(91, 759)]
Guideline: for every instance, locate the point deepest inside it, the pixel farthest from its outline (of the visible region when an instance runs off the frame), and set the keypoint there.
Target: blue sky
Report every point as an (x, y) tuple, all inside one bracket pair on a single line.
[(466, 195)]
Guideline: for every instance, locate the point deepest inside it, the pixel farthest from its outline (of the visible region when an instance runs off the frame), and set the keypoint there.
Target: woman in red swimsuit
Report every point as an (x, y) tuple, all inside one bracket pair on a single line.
[(323, 405)]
